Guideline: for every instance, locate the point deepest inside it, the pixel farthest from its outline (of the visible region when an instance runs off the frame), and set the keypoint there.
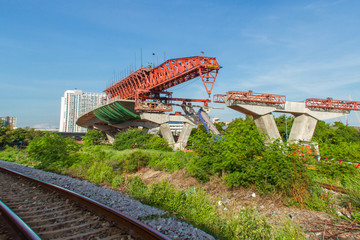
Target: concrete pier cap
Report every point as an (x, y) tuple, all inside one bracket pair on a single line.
[(305, 118)]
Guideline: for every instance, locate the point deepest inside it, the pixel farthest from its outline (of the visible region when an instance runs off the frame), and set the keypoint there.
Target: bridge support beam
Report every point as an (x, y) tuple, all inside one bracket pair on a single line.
[(303, 128), (266, 124)]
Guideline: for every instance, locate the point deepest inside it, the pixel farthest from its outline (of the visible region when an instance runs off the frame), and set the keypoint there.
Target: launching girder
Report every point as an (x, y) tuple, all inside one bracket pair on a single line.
[(167, 75)]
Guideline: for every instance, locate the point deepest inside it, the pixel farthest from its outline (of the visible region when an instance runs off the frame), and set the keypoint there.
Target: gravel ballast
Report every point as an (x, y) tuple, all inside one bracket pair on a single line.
[(153, 217)]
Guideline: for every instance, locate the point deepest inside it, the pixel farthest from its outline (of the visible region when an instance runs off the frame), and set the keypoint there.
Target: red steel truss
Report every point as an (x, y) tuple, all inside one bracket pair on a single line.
[(250, 97), (332, 104), (167, 75)]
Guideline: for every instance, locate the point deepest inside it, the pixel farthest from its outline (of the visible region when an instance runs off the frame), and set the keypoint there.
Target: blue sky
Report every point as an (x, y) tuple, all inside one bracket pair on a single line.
[(301, 49)]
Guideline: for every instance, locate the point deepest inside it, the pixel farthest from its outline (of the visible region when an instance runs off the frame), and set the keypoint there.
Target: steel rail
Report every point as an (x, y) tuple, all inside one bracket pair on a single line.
[(134, 227), (21, 229)]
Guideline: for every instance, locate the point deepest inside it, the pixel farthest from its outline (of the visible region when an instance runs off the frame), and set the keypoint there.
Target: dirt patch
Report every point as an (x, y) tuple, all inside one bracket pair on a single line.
[(316, 225)]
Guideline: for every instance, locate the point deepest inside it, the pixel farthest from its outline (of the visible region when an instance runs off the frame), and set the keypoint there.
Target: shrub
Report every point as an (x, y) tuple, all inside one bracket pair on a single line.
[(135, 138), (171, 162), (118, 181), (14, 154), (158, 143), (135, 160), (283, 170), (93, 137), (130, 139), (53, 152), (100, 172)]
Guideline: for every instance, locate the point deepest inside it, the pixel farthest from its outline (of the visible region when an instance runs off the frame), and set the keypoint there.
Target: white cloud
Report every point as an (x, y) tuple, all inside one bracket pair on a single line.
[(309, 78)]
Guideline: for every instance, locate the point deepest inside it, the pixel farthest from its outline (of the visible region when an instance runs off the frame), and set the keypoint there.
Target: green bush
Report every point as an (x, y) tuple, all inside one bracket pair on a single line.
[(17, 137), (172, 161), (284, 124), (118, 181), (132, 138), (93, 137), (282, 169), (157, 143), (14, 154), (135, 138), (135, 160), (53, 152), (335, 170), (100, 172)]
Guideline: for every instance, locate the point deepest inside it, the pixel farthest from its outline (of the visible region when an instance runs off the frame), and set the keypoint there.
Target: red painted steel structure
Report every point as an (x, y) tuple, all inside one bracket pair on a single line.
[(250, 97), (332, 104), (169, 74)]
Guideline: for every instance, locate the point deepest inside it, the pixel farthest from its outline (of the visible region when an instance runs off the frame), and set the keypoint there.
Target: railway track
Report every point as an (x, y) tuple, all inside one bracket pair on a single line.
[(46, 211)]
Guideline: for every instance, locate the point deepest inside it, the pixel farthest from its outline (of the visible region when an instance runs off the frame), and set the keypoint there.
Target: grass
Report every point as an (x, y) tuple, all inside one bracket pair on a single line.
[(15, 154)]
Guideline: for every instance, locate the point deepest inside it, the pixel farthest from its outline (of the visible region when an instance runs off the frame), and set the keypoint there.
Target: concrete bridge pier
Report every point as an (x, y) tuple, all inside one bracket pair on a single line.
[(266, 124), (303, 128), (164, 119), (109, 131), (184, 136), (262, 115), (166, 133)]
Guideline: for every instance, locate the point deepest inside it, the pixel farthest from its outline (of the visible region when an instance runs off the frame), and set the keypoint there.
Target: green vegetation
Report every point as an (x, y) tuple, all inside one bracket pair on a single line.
[(93, 137), (17, 137), (239, 157), (284, 124), (244, 160), (53, 152), (135, 138)]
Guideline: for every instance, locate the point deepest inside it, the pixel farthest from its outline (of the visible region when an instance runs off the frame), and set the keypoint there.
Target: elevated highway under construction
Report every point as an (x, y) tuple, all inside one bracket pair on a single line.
[(141, 100)]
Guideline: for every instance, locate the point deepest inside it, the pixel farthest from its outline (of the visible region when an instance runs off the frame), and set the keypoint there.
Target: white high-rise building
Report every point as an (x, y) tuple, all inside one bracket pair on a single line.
[(73, 104), (8, 121)]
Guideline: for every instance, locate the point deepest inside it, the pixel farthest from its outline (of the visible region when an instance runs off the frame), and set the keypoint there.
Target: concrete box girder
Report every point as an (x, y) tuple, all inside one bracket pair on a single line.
[(298, 108), (295, 108), (160, 118), (144, 124)]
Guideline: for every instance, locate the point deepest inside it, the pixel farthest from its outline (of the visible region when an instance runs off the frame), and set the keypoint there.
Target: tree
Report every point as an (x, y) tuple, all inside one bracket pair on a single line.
[(284, 124), (18, 136)]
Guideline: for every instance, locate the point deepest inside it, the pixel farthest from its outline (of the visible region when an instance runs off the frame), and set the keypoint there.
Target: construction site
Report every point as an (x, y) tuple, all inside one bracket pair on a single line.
[(142, 99)]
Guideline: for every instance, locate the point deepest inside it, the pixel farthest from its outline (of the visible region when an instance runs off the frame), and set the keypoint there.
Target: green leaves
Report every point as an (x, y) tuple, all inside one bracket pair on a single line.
[(93, 137), (53, 152), (135, 138)]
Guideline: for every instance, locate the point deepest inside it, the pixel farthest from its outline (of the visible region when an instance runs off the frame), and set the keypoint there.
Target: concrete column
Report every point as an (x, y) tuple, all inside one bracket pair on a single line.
[(166, 133), (303, 128), (110, 136), (184, 136), (109, 131), (266, 123)]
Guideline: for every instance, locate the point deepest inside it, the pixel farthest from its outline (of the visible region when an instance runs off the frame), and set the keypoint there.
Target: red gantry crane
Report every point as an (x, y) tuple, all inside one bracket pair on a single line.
[(151, 83)]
